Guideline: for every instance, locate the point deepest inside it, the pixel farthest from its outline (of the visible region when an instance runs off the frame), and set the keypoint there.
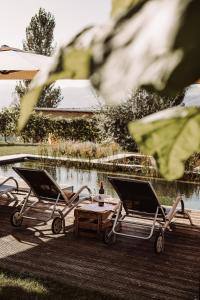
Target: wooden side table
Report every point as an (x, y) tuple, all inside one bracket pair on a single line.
[(94, 217)]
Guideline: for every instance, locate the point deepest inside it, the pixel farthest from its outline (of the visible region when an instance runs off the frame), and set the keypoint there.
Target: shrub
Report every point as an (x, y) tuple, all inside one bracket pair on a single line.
[(75, 129), (39, 127), (192, 162), (8, 121), (112, 121)]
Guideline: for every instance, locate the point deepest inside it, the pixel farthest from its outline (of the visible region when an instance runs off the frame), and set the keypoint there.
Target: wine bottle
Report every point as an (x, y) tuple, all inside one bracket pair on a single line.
[(101, 194)]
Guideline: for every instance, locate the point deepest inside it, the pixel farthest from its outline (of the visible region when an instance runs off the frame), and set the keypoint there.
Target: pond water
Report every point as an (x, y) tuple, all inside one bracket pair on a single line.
[(166, 191)]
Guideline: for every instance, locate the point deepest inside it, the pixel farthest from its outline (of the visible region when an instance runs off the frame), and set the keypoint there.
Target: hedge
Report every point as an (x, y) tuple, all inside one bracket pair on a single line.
[(39, 127)]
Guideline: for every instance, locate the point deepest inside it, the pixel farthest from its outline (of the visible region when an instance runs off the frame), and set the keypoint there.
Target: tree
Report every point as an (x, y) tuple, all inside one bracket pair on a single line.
[(113, 120), (8, 122), (39, 39)]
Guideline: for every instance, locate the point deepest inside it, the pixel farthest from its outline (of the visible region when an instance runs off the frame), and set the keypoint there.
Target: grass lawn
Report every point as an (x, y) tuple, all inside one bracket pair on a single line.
[(15, 286), (9, 149)]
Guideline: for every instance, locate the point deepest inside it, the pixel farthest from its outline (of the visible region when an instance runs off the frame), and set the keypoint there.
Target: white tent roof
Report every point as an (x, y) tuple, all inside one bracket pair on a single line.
[(18, 64)]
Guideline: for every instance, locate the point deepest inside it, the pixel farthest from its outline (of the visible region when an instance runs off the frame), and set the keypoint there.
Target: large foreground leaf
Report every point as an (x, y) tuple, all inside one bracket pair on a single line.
[(155, 44), (171, 136)]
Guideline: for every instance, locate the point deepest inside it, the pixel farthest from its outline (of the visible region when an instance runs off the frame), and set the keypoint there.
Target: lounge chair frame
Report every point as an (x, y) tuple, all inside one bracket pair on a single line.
[(57, 213), (160, 220), (8, 190)]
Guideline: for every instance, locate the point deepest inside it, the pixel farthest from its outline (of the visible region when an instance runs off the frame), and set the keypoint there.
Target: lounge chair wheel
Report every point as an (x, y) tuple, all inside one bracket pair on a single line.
[(159, 243), (16, 219), (109, 239), (57, 225)]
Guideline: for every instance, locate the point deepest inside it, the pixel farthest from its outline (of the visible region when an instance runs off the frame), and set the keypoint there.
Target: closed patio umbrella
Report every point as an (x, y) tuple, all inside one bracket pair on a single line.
[(17, 64)]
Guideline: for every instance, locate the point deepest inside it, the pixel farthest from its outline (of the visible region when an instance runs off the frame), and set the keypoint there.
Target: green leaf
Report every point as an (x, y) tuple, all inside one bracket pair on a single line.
[(171, 136), (76, 63), (119, 6), (26, 106)]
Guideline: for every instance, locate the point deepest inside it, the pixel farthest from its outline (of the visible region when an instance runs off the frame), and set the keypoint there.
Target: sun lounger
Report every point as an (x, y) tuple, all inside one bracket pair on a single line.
[(8, 190), (45, 191), (140, 209)]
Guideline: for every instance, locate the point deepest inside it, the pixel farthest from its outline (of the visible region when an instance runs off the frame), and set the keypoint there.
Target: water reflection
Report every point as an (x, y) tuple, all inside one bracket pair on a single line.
[(166, 191), (190, 192)]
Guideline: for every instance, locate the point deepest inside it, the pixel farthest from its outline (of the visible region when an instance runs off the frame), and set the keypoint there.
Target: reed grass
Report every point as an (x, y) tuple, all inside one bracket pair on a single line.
[(83, 150)]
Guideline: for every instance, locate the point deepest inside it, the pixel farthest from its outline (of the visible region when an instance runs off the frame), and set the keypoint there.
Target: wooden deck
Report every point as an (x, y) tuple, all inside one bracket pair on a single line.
[(128, 269)]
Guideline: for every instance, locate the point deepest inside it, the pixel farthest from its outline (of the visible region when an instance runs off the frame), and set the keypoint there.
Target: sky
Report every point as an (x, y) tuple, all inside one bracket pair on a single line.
[(192, 95), (71, 16)]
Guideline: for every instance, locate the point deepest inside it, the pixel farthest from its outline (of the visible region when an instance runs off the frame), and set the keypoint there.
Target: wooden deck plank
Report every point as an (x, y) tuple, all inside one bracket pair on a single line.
[(129, 268)]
